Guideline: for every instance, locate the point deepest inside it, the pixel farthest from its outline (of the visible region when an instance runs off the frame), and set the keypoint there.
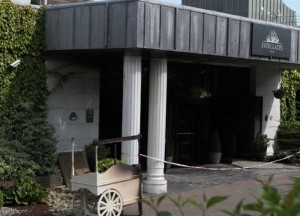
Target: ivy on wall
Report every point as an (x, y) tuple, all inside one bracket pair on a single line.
[(290, 84), (21, 37), (23, 90)]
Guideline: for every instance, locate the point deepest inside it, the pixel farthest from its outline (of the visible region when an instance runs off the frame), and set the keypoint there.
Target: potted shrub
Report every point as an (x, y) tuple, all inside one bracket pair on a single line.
[(199, 93), (214, 154), (261, 143)]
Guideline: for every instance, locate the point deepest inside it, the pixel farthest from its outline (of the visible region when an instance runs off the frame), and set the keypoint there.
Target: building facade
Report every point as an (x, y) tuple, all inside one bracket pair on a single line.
[(122, 68), (269, 10)]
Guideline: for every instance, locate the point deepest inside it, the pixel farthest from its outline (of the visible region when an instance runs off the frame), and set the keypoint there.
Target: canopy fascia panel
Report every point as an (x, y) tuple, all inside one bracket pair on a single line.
[(152, 25)]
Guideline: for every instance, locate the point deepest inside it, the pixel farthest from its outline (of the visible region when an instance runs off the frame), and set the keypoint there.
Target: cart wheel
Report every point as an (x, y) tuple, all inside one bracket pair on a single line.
[(110, 203), (78, 202), (92, 200)]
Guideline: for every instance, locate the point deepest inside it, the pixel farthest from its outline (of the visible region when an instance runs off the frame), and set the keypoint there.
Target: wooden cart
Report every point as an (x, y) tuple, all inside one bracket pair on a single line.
[(106, 193)]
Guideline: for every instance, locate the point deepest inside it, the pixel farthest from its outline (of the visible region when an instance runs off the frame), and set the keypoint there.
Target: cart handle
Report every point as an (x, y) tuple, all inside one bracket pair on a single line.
[(113, 141), (117, 140), (103, 142)]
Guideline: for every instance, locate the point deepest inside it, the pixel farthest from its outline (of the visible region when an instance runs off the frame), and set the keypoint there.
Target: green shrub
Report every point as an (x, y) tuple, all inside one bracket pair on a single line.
[(1, 199), (261, 140), (289, 136), (289, 127), (23, 90), (24, 192), (105, 164), (290, 84), (36, 137), (14, 160)]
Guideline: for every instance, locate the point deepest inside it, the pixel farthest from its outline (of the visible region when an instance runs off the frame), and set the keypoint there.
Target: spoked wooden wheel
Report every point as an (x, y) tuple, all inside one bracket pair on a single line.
[(78, 202), (92, 200), (110, 203)]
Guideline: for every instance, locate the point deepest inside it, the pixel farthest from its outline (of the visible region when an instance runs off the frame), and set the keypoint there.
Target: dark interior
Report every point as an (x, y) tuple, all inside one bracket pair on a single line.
[(201, 98)]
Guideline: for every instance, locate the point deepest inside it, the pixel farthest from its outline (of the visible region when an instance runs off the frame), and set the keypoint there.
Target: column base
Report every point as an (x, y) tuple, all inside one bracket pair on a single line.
[(155, 186)]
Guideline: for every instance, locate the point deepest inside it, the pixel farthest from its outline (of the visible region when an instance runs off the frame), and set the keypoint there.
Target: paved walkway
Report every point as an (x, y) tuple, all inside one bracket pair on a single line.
[(237, 184)]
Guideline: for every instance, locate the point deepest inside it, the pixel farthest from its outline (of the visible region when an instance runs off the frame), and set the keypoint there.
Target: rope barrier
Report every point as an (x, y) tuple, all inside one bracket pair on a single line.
[(217, 169)]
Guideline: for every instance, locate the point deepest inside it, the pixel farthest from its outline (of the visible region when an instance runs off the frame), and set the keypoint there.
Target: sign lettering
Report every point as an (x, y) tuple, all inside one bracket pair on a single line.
[(271, 41)]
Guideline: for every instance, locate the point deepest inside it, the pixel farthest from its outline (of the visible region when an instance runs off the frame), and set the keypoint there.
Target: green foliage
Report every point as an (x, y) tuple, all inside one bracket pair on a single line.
[(14, 160), (102, 153), (290, 83), (105, 164), (289, 129), (215, 144), (181, 204), (1, 199), (261, 140), (23, 90), (35, 135), (21, 37), (289, 136), (24, 192), (271, 202)]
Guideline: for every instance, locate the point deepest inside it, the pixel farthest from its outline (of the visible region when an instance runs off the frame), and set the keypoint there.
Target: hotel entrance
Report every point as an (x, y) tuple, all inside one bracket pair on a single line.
[(189, 131), (208, 98)]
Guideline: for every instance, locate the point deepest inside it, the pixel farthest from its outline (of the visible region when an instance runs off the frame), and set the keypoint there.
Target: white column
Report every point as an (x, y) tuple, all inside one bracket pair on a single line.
[(131, 107), (155, 181)]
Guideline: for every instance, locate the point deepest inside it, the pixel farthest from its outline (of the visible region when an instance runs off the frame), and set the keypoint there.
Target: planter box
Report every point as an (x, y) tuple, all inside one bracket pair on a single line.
[(50, 181), (214, 157), (260, 153)]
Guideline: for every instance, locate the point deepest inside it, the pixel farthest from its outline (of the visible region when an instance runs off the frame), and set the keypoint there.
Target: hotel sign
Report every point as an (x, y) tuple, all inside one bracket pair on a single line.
[(271, 41)]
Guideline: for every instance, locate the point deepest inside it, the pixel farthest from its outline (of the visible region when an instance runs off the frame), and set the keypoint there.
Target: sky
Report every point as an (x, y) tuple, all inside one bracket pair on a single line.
[(293, 4)]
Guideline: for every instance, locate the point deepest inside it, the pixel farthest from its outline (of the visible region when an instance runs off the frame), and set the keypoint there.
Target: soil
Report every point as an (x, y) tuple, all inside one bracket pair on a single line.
[(33, 210)]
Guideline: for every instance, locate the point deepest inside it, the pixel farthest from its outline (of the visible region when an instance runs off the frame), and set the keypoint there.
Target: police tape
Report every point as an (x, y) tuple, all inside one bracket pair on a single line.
[(218, 169)]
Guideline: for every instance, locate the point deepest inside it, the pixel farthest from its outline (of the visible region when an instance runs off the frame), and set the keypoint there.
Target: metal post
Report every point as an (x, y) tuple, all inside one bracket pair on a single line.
[(96, 158), (73, 168)]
